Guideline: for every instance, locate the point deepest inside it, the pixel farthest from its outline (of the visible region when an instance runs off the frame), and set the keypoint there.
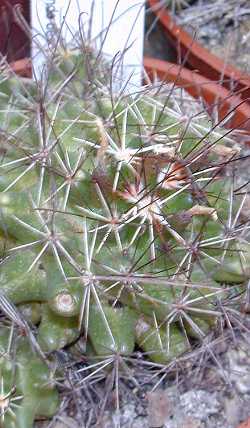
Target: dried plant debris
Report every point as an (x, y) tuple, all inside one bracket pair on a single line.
[(222, 26), (124, 255)]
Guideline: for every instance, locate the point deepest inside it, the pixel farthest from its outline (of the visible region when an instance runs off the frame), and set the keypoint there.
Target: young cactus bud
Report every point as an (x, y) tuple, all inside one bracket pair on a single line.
[(65, 304), (56, 331)]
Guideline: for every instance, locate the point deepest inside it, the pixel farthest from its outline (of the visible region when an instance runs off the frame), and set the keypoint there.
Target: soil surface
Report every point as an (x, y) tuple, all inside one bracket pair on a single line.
[(212, 393)]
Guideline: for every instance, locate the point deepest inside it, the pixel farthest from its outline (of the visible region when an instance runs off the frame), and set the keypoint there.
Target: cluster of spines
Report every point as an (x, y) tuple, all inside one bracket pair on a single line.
[(119, 215)]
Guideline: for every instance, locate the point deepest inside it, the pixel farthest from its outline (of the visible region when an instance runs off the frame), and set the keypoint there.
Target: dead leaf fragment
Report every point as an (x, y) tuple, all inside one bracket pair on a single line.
[(224, 151), (201, 210)]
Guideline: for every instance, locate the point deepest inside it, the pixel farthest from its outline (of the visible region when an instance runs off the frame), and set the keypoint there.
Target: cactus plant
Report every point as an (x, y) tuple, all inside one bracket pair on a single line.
[(120, 221), (27, 387)]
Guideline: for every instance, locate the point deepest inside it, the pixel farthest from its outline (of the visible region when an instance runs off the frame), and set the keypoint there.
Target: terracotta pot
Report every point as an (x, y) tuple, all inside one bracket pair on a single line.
[(22, 67), (245, 424), (200, 87), (199, 58), (14, 43)]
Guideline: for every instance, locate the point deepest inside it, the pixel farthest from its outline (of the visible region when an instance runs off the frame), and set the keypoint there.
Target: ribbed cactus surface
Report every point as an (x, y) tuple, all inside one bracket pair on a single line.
[(121, 223)]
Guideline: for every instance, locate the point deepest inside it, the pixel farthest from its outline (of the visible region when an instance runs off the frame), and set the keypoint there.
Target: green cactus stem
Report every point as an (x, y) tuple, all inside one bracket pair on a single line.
[(26, 382), (112, 330), (160, 344)]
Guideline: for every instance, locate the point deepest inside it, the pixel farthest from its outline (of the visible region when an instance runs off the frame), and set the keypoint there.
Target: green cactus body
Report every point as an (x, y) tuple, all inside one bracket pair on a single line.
[(16, 211), (63, 298), (112, 330), (235, 267), (119, 218), (31, 311), (27, 383), (56, 331), (160, 345), (17, 283)]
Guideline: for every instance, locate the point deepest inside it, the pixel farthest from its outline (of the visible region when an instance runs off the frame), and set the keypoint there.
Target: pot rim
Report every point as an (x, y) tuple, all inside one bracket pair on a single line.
[(201, 87), (198, 57), (22, 67)]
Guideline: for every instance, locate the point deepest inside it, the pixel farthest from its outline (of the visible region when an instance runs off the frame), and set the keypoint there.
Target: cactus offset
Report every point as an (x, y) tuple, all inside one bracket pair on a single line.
[(27, 385)]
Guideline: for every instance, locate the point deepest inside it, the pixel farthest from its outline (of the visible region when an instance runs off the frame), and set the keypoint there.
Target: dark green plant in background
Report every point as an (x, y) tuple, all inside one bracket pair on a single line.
[(122, 227)]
